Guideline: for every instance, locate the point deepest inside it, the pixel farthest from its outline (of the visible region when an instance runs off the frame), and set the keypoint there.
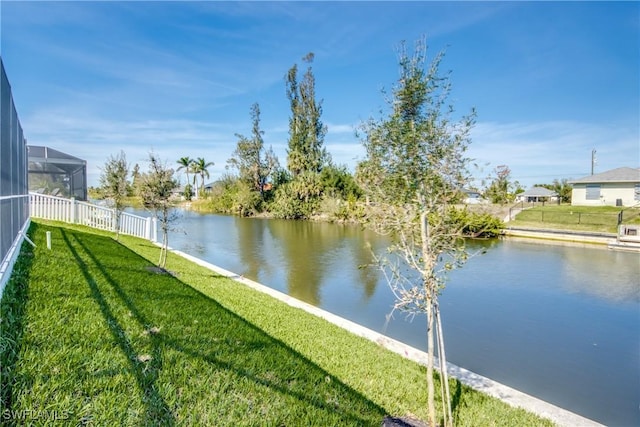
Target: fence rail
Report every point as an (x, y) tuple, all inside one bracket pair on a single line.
[(600, 218), (84, 213)]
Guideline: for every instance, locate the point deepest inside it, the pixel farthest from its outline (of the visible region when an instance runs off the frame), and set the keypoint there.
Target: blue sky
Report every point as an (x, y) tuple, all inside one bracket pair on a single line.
[(550, 81)]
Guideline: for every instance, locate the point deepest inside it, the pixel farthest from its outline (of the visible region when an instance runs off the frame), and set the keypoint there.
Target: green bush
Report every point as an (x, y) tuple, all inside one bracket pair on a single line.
[(188, 192), (221, 197), (298, 199), (245, 200), (339, 210), (231, 195), (338, 182), (476, 224)]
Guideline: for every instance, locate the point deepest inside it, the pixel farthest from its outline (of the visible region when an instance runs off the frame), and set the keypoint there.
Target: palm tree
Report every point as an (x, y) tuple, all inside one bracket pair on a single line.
[(185, 163), (200, 167)]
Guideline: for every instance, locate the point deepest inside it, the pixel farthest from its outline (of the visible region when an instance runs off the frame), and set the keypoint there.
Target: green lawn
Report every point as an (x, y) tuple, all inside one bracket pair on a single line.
[(92, 335), (578, 218)]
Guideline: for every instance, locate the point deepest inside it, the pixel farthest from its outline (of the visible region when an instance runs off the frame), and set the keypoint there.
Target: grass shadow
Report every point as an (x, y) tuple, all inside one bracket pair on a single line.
[(456, 398), (145, 372), (234, 357)]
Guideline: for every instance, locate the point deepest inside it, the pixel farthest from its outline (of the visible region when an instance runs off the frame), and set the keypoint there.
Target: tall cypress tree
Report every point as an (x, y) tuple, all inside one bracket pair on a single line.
[(306, 130)]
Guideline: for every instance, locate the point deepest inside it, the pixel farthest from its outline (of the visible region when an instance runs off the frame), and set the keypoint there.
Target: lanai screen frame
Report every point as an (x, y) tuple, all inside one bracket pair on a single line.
[(57, 173)]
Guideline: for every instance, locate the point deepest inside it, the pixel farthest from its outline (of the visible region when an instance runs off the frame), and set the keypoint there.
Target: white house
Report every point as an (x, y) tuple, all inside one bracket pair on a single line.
[(616, 187), (473, 197), (537, 194)]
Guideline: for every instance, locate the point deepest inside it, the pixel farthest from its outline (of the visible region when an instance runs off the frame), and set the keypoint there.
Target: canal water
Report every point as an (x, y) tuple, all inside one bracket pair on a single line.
[(561, 323)]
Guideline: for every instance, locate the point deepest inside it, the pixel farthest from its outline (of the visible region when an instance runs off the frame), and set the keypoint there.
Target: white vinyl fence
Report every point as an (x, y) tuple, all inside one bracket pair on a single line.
[(83, 213)]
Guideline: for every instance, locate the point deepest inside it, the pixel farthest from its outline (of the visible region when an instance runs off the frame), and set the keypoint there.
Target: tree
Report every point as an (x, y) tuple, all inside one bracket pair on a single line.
[(186, 164), (254, 163), (200, 167), (563, 188), (306, 131), (502, 190), (115, 186), (135, 178), (156, 188), (413, 170)]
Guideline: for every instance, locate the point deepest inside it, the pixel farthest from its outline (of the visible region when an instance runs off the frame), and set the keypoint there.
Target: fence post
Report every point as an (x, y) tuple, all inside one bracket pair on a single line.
[(147, 228), (72, 211)]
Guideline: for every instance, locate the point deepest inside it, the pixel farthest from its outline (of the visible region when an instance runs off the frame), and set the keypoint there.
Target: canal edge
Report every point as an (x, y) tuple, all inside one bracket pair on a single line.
[(509, 395)]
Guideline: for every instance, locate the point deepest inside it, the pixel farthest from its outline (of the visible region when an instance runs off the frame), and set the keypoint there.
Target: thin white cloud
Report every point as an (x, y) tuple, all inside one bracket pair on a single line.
[(535, 152), (334, 128)]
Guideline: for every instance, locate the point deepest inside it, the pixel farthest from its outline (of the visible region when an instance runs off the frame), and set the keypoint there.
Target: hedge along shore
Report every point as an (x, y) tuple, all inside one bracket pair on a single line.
[(513, 397)]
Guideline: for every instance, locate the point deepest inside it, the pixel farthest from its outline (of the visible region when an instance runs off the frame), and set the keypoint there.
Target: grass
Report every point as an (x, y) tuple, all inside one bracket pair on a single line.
[(578, 218), (92, 335)]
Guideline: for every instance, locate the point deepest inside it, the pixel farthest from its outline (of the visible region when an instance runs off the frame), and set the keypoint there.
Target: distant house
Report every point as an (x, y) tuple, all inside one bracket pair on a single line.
[(208, 188), (473, 197), (178, 192), (538, 194), (616, 187)]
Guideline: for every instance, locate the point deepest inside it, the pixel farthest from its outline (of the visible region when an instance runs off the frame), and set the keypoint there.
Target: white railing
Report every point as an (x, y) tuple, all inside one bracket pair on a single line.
[(83, 213)]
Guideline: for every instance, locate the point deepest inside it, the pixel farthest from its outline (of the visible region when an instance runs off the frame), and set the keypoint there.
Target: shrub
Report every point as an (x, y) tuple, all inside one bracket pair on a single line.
[(245, 200), (298, 199), (338, 182), (477, 224)]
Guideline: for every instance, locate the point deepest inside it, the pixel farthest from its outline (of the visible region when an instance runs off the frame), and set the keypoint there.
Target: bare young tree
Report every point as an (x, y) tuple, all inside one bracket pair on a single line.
[(115, 187), (156, 188), (414, 170)]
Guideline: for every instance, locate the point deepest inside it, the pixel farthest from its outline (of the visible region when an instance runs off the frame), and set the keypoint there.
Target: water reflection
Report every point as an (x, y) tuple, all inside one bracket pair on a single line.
[(615, 277), (303, 258), (362, 253), (312, 254), (254, 253)]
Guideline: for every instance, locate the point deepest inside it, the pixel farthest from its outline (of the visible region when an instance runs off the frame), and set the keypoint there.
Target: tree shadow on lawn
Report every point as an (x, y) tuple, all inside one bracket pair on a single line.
[(146, 376), (239, 361)]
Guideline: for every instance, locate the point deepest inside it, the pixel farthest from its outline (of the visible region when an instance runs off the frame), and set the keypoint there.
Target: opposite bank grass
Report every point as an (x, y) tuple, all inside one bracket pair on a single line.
[(602, 219), (93, 334)]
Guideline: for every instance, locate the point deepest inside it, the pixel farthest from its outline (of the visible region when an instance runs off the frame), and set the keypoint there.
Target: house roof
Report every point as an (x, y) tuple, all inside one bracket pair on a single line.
[(469, 191), (613, 175), (539, 192)]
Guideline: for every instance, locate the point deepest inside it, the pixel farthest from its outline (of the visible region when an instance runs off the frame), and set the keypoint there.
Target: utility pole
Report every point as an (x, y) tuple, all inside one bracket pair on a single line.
[(593, 160)]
